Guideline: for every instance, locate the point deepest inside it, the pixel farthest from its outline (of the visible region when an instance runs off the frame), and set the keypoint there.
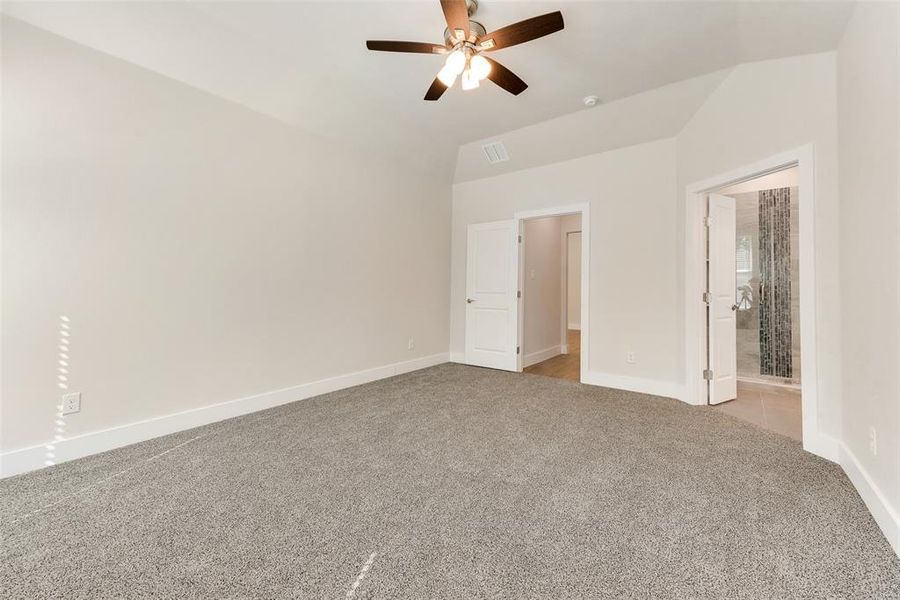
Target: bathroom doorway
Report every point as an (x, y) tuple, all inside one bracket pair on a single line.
[(753, 319)]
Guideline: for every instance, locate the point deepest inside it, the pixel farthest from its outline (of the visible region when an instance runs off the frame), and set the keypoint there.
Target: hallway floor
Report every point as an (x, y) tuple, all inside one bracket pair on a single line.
[(563, 366), (776, 408)]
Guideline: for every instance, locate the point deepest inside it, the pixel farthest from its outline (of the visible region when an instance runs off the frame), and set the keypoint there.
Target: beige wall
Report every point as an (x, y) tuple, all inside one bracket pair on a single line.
[(637, 202), (541, 289), (632, 297), (760, 110), (868, 85), (201, 251)]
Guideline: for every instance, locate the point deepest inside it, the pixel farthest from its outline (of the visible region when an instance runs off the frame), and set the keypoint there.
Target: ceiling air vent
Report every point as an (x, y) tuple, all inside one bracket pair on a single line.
[(495, 152)]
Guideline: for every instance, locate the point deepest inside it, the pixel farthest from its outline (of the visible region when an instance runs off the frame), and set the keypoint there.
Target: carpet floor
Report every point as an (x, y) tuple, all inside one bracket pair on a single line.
[(450, 482)]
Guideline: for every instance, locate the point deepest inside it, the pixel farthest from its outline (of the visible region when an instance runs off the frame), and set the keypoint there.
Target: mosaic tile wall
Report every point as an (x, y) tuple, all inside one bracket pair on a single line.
[(775, 319)]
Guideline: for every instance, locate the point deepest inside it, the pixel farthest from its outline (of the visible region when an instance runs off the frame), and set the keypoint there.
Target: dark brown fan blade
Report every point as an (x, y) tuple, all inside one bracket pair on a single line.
[(457, 15), (523, 31), (505, 78), (418, 47), (436, 90)]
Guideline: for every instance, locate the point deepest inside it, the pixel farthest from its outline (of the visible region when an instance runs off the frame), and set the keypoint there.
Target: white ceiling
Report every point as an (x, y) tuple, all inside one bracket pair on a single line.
[(306, 64)]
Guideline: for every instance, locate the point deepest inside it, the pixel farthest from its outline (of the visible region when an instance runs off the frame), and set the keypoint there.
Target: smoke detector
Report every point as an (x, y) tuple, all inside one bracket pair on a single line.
[(590, 101)]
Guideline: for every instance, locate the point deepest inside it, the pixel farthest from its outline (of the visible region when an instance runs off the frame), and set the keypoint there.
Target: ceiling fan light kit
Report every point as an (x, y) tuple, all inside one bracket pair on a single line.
[(465, 41)]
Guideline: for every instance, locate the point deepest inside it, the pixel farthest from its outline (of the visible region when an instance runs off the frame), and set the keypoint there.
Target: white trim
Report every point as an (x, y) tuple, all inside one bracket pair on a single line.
[(804, 158), (510, 359), (23, 460), (541, 355), (563, 348), (458, 357), (574, 327), (666, 389), (886, 516), (569, 209)]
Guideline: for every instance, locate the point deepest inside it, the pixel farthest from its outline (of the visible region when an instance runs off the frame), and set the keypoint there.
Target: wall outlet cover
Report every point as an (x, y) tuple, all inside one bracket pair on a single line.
[(71, 403)]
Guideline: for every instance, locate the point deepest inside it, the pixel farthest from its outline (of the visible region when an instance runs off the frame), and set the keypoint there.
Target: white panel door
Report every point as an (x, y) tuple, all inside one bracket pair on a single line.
[(722, 315), (492, 279)]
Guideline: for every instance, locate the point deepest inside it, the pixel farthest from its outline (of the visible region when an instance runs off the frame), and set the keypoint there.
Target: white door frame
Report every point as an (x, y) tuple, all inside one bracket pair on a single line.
[(559, 211), (694, 317), (565, 288)]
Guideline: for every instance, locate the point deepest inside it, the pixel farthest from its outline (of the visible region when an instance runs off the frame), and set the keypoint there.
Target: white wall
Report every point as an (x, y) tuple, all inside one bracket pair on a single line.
[(644, 117), (632, 296), (762, 109), (541, 289), (571, 232), (868, 85), (201, 251)]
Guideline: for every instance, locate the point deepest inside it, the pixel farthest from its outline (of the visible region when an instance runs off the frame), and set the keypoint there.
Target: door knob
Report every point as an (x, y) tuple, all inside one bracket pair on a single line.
[(469, 301), (734, 307)]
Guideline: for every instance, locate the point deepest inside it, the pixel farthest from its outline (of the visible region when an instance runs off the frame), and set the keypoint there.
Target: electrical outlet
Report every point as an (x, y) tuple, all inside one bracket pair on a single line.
[(873, 441), (411, 344), (629, 358), (71, 403)]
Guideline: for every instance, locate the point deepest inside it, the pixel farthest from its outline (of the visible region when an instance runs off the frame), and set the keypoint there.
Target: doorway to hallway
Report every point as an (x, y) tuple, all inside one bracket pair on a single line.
[(541, 248), (525, 310)]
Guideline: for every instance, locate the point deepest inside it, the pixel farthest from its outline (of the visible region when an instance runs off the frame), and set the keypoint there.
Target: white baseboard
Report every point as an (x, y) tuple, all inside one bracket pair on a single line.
[(534, 358), (564, 349), (654, 387), (574, 326), (458, 357), (31, 458), (885, 515), (824, 446)]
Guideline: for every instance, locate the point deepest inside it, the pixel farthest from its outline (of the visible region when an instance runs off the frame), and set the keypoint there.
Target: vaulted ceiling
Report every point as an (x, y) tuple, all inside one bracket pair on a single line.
[(305, 63)]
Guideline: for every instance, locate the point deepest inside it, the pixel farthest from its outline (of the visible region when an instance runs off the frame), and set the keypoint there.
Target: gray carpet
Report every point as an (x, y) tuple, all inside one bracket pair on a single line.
[(452, 482)]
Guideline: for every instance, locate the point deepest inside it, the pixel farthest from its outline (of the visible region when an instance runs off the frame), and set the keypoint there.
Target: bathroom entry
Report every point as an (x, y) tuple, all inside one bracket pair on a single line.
[(753, 299)]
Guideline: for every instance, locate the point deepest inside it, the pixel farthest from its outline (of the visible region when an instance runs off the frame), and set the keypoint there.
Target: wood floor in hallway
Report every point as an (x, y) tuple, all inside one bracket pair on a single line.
[(563, 366)]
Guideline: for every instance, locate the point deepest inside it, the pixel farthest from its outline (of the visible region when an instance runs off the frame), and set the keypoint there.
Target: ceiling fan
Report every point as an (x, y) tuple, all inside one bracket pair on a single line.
[(465, 41)]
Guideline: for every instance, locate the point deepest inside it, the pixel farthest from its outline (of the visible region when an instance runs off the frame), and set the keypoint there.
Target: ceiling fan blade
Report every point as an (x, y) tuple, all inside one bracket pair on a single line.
[(436, 90), (523, 31), (457, 15), (505, 78), (418, 47)]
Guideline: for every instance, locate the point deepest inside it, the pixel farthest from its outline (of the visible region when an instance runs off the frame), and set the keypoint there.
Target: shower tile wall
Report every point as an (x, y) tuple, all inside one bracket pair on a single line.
[(748, 351)]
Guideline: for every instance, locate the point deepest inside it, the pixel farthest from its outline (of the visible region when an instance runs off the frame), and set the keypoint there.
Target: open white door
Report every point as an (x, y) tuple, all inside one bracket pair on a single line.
[(722, 316), (492, 279)]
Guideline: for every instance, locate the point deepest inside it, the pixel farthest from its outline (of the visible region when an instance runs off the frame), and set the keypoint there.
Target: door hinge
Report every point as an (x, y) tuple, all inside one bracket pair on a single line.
[(707, 221), (519, 294), (520, 239), (707, 374), (707, 297), (517, 350)]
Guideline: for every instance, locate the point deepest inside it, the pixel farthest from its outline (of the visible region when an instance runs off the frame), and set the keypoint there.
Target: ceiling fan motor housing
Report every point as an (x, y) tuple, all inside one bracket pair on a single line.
[(475, 28)]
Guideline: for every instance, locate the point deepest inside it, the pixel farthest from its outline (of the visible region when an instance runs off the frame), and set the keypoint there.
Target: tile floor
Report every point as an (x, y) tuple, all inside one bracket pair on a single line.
[(776, 408)]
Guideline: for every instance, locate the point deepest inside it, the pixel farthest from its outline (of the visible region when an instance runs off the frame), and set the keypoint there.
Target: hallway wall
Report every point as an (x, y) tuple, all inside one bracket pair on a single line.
[(541, 289)]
